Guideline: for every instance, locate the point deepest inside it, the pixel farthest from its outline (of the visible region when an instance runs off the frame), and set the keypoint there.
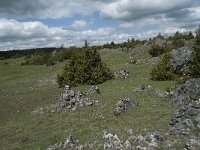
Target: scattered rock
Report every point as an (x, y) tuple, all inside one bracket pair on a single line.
[(122, 105), (180, 58), (193, 144), (143, 88), (150, 141), (112, 142), (138, 62), (121, 74), (71, 143), (94, 89), (161, 94)]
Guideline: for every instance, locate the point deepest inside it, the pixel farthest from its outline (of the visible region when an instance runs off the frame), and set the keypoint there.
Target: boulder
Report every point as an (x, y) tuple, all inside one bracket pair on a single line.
[(180, 58)]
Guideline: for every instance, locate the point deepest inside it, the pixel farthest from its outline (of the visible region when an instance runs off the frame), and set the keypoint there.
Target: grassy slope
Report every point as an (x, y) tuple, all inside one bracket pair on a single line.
[(25, 88)]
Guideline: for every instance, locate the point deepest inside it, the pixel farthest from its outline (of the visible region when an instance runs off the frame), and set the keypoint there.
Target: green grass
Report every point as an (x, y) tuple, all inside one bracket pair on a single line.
[(25, 88)]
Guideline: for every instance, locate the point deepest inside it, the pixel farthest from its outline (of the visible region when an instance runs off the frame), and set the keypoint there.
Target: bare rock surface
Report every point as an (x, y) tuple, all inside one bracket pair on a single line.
[(187, 116), (180, 58)]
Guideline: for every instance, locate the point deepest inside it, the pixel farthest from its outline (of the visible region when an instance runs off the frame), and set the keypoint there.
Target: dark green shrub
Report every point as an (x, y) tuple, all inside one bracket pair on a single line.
[(195, 65), (50, 61), (163, 70), (156, 51), (85, 67), (178, 43)]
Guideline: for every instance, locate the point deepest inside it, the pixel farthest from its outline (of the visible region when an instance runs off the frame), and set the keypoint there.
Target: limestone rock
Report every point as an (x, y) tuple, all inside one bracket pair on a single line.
[(121, 74), (180, 58)]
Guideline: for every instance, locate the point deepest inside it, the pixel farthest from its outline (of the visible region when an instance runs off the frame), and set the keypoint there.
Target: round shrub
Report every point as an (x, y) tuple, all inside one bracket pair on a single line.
[(163, 70), (85, 67)]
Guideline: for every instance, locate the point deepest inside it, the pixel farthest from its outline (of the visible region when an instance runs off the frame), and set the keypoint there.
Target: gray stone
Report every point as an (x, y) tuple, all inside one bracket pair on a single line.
[(121, 74), (193, 144), (187, 115), (161, 93), (186, 93), (94, 89), (123, 104), (70, 99), (143, 88), (180, 58)]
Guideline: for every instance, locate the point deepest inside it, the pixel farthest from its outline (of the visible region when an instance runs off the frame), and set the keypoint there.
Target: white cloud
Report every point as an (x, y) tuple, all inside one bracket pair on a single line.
[(134, 9), (20, 35), (48, 8)]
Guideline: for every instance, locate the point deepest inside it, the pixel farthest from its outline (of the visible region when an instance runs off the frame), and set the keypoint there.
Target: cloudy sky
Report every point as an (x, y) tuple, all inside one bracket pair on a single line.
[(50, 23)]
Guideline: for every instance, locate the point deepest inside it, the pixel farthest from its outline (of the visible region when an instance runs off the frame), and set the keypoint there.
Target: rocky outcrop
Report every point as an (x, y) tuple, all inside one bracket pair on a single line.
[(123, 104), (186, 93), (121, 74), (187, 117), (180, 58)]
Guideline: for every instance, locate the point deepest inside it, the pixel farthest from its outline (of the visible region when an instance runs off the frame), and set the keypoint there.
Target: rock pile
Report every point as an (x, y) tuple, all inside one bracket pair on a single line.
[(187, 116), (180, 58), (70, 99), (121, 74), (123, 104)]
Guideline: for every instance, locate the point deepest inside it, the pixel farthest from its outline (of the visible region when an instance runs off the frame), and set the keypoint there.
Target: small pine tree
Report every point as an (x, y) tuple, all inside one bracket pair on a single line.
[(85, 67)]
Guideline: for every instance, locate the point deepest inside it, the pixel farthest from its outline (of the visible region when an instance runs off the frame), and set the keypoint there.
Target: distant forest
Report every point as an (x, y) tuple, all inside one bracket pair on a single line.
[(25, 52)]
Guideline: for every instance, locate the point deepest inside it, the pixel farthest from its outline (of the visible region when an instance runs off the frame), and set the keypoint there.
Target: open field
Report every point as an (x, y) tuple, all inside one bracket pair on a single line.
[(26, 88)]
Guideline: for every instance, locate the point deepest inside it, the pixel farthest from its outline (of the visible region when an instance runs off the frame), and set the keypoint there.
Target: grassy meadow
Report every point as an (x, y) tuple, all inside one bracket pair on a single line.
[(26, 88)]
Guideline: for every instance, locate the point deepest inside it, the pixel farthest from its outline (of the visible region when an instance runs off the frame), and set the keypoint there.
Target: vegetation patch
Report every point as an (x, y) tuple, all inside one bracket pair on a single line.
[(85, 67)]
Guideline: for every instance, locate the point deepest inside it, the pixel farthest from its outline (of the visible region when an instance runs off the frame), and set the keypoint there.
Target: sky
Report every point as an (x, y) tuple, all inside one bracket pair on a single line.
[(51, 23)]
